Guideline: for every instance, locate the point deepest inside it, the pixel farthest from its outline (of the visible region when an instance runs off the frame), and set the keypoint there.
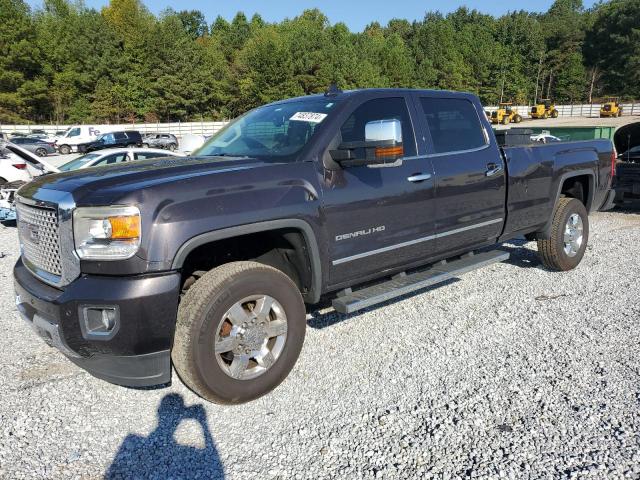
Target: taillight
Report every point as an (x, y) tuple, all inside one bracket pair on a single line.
[(20, 166)]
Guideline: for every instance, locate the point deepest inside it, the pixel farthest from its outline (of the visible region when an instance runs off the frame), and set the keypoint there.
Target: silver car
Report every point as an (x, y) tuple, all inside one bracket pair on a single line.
[(40, 147), (114, 156)]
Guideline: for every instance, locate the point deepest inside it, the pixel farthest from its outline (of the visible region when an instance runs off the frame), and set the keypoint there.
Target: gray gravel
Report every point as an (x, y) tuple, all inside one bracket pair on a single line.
[(511, 372)]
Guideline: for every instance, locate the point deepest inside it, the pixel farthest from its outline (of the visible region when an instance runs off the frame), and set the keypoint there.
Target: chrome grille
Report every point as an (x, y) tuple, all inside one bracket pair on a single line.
[(39, 237)]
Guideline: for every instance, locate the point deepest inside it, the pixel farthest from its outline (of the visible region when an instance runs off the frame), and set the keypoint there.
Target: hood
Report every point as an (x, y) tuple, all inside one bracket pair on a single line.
[(39, 166), (627, 137), (103, 184)]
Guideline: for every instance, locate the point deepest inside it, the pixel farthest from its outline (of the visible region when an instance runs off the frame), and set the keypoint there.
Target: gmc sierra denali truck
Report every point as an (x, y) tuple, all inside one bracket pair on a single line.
[(206, 263)]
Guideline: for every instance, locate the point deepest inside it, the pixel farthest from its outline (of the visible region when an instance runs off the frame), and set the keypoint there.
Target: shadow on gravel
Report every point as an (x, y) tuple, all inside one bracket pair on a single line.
[(160, 456), (520, 256)]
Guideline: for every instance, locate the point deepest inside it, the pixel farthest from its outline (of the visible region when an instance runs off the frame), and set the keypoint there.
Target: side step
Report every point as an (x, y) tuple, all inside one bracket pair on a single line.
[(349, 301)]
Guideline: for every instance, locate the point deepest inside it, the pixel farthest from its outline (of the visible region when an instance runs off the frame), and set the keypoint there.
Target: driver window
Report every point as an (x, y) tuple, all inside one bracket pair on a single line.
[(353, 130), (74, 132)]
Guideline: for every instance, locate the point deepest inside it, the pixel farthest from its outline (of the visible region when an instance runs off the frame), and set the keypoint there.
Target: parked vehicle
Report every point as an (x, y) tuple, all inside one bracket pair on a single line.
[(505, 114), (17, 167), (627, 182), (359, 196), (632, 155), (114, 156), (545, 137), (611, 108), (160, 140), (79, 134), (35, 145), (544, 109), (127, 138)]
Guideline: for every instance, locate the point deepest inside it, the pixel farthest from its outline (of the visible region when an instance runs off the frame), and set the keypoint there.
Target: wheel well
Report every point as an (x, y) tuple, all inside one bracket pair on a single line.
[(578, 188), (284, 249)]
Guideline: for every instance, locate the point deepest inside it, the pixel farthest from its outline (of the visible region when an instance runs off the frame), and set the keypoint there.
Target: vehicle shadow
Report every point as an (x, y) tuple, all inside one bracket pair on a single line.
[(520, 256), (320, 320), (160, 456)]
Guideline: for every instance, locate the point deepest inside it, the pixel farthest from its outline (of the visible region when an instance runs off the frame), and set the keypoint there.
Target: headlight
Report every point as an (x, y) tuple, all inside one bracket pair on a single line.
[(106, 233)]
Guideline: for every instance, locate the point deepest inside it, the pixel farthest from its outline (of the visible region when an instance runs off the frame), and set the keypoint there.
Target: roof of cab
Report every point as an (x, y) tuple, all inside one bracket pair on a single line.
[(373, 92)]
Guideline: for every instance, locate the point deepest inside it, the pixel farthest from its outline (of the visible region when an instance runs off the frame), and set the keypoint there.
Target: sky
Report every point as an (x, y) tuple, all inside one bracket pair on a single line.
[(355, 13)]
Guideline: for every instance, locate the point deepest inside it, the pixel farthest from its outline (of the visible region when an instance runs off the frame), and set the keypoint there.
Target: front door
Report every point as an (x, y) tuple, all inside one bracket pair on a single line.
[(379, 216)]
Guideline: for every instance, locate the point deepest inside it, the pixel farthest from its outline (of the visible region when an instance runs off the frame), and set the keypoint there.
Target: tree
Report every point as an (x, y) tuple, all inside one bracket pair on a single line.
[(612, 47)]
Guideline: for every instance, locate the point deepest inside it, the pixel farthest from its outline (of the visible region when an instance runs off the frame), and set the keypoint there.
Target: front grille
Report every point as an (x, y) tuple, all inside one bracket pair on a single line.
[(39, 237)]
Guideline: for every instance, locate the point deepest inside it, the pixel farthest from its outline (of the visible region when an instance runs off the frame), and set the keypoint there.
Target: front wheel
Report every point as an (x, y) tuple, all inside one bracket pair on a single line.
[(569, 235), (173, 147), (64, 149), (41, 152), (239, 332), (554, 114), (517, 119)]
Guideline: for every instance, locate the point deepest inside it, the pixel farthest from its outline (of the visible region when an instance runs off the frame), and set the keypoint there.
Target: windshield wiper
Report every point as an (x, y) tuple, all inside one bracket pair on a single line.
[(231, 155)]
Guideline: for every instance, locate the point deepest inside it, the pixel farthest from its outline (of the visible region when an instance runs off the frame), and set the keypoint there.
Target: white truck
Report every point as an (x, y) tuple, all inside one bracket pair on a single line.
[(78, 134)]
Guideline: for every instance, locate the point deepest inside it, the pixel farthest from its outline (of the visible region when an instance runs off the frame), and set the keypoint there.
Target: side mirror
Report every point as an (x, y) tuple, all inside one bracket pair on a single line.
[(382, 144)]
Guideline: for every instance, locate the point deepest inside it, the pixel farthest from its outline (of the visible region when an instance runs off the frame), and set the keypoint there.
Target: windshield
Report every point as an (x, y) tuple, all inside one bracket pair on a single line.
[(273, 132), (79, 162)]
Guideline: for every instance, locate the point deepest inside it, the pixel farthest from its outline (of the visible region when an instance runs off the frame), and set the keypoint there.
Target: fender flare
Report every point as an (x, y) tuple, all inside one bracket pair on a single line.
[(545, 233), (313, 296)]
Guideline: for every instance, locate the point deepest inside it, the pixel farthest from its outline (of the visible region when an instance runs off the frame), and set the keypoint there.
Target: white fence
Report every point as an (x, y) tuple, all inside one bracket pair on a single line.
[(209, 128), (578, 110), (179, 128)]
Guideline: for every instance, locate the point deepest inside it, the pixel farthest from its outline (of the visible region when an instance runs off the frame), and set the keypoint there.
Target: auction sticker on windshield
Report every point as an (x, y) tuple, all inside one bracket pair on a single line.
[(312, 117)]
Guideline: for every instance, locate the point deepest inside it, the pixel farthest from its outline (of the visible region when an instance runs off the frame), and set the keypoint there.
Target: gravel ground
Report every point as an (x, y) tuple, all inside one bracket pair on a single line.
[(510, 372)]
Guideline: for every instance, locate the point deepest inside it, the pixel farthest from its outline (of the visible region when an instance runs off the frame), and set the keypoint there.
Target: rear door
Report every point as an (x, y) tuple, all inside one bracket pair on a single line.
[(469, 173), (379, 216)]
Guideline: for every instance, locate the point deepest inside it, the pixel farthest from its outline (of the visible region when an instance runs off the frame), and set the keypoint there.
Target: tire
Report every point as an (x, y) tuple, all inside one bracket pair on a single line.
[(554, 251), (172, 147), (41, 152), (64, 149), (517, 119), (206, 310), (505, 120), (145, 145), (545, 115), (554, 114)]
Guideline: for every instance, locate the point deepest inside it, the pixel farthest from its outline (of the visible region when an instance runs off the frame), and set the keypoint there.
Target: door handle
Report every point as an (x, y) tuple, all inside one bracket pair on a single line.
[(419, 177), (492, 169)]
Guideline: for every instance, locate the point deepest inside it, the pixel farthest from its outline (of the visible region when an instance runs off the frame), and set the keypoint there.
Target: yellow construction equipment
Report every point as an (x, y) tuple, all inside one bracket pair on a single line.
[(544, 109), (505, 114), (611, 108)]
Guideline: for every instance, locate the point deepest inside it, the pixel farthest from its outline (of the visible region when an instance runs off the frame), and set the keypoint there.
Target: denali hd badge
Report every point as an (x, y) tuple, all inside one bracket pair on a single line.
[(360, 233)]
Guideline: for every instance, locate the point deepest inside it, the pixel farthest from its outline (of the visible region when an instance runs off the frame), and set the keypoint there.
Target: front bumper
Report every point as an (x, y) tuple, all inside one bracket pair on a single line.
[(137, 354)]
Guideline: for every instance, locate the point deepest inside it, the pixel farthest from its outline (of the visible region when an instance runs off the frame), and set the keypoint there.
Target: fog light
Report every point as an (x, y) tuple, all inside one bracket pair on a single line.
[(99, 322)]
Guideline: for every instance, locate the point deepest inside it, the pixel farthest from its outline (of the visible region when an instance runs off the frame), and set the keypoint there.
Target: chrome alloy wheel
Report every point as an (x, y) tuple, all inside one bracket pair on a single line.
[(250, 337), (573, 235)]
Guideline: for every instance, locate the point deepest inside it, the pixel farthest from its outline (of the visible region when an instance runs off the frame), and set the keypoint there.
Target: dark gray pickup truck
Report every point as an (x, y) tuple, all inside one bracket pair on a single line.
[(206, 263)]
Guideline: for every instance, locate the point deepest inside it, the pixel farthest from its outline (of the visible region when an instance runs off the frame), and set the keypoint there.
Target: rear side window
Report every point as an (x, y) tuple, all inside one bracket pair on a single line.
[(111, 159), (147, 155), (353, 130), (453, 123), (120, 136)]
